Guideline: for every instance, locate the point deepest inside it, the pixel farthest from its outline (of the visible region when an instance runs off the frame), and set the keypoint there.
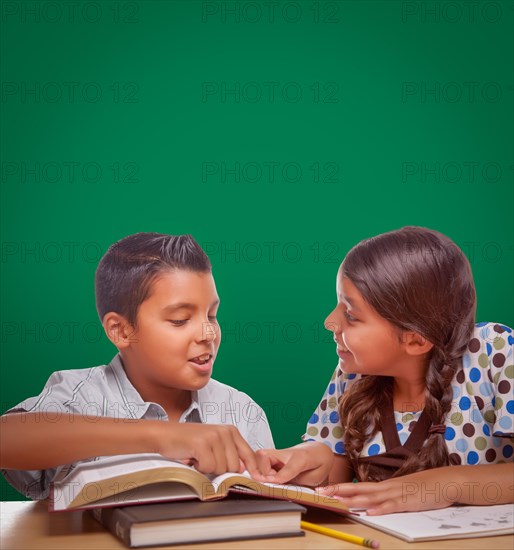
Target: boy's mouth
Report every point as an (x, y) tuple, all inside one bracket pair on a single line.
[(201, 359)]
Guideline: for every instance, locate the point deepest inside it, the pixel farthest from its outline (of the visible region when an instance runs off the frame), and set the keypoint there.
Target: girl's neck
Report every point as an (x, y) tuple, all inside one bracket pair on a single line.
[(409, 395)]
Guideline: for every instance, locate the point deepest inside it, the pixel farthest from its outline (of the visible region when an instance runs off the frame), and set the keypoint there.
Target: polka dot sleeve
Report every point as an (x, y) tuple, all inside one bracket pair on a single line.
[(324, 425), (495, 354)]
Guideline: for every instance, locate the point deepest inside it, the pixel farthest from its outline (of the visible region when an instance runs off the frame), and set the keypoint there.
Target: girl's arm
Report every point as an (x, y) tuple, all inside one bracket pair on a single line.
[(431, 489), (341, 471)]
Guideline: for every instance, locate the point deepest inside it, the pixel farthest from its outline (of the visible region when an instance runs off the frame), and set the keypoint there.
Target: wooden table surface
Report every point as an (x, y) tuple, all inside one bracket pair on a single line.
[(27, 525)]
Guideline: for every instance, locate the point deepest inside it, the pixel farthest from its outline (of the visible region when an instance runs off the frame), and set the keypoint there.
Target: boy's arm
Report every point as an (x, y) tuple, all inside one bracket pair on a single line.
[(29, 441)]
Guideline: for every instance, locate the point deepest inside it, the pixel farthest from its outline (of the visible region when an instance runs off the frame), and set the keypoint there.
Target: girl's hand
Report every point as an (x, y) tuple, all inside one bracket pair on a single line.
[(480, 485), (306, 464), (427, 490), (410, 493)]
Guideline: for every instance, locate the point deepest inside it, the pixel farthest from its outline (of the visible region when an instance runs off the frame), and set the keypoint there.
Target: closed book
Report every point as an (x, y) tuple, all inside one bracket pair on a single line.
[(194, 521)]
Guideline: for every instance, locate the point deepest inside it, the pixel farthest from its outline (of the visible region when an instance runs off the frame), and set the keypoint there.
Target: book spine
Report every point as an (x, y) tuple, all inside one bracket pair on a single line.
[(115, 521)]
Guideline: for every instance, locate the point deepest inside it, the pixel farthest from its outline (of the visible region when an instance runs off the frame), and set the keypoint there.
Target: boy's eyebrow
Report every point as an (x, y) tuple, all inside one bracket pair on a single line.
[(185, 305)]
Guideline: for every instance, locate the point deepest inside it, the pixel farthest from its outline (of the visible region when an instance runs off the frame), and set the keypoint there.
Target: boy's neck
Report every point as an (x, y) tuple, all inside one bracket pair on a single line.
[(173, 400)]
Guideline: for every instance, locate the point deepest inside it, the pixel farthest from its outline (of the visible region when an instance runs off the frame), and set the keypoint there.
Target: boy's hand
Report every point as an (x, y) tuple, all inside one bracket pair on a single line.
[(305, 464), (211, 448)]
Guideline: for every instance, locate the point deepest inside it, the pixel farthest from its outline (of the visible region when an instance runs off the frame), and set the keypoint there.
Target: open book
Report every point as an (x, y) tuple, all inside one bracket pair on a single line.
[(134, 479)]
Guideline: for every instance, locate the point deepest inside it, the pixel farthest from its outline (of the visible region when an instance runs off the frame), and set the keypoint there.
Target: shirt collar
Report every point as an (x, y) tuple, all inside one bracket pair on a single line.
[(138, 408)]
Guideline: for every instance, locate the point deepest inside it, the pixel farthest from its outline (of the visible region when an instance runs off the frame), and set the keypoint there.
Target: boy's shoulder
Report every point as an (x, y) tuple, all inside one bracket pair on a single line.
[(74, 388), (84, 373), (100, 376)]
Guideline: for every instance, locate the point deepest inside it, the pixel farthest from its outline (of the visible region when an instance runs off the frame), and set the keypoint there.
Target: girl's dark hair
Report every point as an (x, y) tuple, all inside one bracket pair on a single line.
[(125, 273), (418, 280)]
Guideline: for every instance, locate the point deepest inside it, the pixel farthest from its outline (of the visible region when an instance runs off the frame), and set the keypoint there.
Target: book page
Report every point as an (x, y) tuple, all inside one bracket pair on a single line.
[(112, 466), (244, 483), (217, 481), (113, 475)]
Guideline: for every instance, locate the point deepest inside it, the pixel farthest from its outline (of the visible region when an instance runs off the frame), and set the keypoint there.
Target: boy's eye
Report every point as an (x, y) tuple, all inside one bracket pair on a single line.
[(178, 322)]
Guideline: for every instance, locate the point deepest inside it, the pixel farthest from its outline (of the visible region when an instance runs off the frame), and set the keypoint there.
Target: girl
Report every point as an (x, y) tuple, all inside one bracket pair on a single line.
[(418, 389)]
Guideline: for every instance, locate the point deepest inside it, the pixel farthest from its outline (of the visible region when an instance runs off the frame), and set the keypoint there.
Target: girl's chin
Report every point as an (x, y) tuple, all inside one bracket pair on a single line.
[(348, 367)]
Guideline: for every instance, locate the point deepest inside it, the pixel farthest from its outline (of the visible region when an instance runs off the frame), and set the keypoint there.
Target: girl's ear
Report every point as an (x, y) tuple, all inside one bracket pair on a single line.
[(415, 344), (118, 329)]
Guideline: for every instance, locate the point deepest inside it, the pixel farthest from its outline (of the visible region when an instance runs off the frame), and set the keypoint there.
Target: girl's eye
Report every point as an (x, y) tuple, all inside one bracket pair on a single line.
[(349, 317), (178, 322)]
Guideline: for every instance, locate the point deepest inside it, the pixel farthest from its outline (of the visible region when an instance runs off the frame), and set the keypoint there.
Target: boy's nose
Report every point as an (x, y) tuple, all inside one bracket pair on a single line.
[(209, 331)]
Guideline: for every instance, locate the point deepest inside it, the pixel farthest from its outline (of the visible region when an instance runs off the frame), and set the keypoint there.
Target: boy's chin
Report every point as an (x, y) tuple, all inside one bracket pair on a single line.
[(203, 369)]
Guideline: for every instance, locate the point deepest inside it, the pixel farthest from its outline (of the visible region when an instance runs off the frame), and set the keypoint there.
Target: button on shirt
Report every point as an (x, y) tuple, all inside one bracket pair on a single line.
[(107, 391)]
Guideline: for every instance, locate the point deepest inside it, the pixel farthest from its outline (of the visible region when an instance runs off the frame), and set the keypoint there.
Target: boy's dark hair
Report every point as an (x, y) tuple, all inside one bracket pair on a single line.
[(125, 273)]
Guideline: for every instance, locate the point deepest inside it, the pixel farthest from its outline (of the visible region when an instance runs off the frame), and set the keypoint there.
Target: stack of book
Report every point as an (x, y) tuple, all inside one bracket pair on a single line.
[(148, 500), (137, 498)]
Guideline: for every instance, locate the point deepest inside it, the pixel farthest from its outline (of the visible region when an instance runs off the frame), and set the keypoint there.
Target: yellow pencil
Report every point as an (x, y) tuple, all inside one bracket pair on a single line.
[(339, 535)]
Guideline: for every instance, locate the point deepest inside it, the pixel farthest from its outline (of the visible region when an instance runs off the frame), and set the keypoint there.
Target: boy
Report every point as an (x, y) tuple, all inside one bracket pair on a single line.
[(157, 301)]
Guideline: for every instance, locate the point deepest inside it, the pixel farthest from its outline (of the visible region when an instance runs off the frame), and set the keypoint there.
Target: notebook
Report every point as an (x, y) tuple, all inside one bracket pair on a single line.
[(455, 522)]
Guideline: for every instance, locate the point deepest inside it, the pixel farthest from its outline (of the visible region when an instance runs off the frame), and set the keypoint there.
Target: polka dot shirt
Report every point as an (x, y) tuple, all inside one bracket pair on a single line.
[(479, 425)]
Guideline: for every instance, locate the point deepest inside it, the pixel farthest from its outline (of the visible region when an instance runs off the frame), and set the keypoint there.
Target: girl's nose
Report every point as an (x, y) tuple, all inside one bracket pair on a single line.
[(331, 324)]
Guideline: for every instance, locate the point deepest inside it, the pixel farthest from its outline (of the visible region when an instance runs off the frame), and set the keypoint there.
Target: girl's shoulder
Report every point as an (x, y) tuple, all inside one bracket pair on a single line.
[(489, 347), (487, 364)]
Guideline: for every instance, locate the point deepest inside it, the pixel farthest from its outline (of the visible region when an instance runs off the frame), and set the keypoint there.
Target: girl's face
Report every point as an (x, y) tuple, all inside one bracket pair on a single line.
[(366, 342)]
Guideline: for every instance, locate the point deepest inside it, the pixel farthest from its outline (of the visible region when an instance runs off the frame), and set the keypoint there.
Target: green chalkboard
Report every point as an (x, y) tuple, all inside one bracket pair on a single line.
[(278, 133)]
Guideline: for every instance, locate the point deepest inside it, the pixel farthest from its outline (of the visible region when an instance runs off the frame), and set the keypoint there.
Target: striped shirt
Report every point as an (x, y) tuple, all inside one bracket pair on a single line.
[(107, 391)]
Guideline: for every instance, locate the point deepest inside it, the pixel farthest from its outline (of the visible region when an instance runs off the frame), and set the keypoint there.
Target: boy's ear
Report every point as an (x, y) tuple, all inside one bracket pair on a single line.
[(415, 344), (118, 329)]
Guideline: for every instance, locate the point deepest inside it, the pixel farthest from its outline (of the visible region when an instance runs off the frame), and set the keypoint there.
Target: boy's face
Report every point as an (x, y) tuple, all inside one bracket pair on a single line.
[(177, 335)]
